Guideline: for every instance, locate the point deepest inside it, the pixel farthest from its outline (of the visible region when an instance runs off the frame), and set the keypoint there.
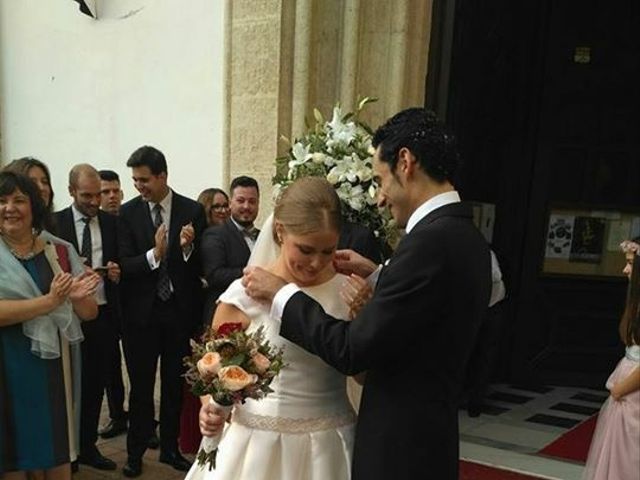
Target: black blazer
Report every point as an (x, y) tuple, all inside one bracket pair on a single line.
[(66, 229), (360, 239), (224, 254), (413, 338), (139, 282)]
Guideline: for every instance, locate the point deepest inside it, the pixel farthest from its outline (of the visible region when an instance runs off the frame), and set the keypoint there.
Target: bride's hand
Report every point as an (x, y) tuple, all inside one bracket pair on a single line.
[(356, 292), (211, 420)]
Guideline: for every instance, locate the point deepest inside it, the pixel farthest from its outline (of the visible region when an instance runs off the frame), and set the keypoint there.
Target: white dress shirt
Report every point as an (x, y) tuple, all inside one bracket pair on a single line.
[(248, 240), (165, 203), (96, 247)]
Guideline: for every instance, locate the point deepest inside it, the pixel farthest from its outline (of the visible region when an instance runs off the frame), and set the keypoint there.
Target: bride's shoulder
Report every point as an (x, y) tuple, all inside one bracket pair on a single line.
[(235, 295)]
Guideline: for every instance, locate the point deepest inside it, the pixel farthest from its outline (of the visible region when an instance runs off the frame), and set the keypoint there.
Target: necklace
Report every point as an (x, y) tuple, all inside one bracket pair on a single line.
[(26, 256)]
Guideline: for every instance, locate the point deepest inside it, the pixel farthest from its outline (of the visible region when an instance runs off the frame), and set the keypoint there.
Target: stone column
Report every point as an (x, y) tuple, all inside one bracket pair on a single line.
[(287, 57)]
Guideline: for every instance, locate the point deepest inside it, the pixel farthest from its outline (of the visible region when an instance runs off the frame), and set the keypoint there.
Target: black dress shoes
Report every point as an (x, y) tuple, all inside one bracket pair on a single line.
[(474, 409), (154, 441), (133, 468), (96, 460), (113, 428), (176, 460)]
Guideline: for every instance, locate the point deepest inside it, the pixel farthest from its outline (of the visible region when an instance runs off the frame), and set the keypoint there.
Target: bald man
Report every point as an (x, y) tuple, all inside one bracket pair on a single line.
[(94, 234)]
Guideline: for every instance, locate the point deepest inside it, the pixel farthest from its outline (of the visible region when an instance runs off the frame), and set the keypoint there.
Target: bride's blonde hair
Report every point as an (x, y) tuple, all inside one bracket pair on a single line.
[(308, 205)]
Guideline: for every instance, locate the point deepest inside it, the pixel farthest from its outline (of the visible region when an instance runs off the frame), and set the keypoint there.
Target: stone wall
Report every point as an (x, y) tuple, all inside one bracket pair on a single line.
[(287, 57)]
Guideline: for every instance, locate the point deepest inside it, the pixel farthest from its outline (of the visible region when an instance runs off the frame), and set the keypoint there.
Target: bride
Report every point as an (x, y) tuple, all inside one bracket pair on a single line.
[(305, 428)]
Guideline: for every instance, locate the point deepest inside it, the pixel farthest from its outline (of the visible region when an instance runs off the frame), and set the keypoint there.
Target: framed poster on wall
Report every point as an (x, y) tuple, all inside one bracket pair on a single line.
[(585, 241)]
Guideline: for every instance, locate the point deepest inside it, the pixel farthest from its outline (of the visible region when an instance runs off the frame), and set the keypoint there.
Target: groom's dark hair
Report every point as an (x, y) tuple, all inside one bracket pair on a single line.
[(420, 131)]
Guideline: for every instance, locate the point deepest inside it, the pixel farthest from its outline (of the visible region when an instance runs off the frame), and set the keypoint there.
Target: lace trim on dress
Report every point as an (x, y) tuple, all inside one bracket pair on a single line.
[(292, 425)]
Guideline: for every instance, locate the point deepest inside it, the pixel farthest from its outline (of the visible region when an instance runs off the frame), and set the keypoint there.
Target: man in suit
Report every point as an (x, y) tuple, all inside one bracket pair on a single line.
[(226, 248), (111, 192), (414, 336), (110, 200), (94, 235), (161, 302)]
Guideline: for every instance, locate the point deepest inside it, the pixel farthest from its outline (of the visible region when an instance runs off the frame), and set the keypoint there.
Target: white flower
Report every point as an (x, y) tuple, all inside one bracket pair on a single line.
[(329, 161), (318, 157), (340, 133), (360, 169), (300, 155), (352, 195), (333, 177), (341, 151), (373, 194), (277, 190)]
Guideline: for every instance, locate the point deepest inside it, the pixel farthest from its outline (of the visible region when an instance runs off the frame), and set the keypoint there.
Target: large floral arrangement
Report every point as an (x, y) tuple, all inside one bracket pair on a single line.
[(339, 150)]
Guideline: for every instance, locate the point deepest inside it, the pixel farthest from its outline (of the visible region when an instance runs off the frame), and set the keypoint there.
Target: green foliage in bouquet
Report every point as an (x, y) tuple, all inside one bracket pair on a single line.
[(233, 347), (340, 150)]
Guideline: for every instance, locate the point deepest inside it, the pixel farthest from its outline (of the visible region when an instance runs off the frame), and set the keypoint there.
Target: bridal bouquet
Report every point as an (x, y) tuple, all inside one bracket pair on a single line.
[(231, 366), (339, 150)]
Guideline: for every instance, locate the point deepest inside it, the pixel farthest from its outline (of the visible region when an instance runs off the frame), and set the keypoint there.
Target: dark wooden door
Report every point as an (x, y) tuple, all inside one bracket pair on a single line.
[(544, 97), (588, 154)]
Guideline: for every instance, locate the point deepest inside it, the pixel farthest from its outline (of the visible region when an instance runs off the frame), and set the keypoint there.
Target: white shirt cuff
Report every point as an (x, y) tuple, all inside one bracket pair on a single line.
[(151, 260), (372, 279), (281, 298)]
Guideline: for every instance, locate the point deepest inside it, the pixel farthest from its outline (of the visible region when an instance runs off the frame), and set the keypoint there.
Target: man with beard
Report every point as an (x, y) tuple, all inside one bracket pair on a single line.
[(226, 248), (94, 234)]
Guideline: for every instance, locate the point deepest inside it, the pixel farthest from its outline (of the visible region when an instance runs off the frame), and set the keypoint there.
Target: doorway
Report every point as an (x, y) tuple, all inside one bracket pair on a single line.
[(544, 98)]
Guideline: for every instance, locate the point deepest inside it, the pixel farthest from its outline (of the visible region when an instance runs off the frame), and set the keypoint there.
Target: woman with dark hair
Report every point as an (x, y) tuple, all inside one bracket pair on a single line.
[(216, 205), (615, 449), (39, 173), (44, 290)]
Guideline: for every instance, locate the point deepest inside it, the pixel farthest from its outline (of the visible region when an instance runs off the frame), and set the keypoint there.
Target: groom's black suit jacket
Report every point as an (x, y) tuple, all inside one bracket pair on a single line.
[(413, 338)]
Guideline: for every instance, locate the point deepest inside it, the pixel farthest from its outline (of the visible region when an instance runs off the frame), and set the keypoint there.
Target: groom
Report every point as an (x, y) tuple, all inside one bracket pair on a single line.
[(414, 336)]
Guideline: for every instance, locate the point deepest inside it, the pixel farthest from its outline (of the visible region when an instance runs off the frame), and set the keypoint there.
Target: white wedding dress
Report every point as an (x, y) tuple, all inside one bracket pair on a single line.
[(304, 430)]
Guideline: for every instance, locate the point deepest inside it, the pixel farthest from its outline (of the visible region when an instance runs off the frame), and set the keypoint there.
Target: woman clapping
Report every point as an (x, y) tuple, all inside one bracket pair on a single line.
[(44, 288)]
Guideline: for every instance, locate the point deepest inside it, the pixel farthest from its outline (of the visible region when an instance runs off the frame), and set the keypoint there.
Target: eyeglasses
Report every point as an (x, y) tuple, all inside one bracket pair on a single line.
[(220, 206)]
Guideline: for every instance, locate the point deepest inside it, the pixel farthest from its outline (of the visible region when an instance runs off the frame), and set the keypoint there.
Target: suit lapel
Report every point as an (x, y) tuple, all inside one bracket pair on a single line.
[(69, 227), (239, 239), (457, 209), (106, 237), (146, 223), (176, 221)]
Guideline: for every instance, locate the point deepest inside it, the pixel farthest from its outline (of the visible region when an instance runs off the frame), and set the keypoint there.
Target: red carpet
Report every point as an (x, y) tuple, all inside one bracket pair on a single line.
[(475, 471), (573, 445)]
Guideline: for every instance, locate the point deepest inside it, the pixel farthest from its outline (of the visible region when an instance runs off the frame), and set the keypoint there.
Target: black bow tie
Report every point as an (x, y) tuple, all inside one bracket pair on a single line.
[(251, 232)]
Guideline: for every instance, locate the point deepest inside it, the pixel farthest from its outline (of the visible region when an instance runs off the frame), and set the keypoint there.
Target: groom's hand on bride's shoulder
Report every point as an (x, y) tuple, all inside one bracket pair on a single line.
[(348, 262), (260, 284)]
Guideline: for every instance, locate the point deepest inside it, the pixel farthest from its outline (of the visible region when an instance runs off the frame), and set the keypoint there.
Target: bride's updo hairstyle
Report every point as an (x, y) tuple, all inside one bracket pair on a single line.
[(308, 205)]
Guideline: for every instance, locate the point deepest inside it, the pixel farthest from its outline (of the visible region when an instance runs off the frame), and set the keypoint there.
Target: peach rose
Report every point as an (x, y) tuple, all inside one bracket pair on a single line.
[(209, 364), (260, 362), (235, 378)]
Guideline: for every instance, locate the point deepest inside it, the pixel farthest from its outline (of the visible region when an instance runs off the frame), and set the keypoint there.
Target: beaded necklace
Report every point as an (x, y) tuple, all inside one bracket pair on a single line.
[(26, 256)]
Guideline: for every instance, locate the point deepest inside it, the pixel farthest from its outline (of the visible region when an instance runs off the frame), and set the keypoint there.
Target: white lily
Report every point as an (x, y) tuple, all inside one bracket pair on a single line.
[(340, 132), (300, 154)]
